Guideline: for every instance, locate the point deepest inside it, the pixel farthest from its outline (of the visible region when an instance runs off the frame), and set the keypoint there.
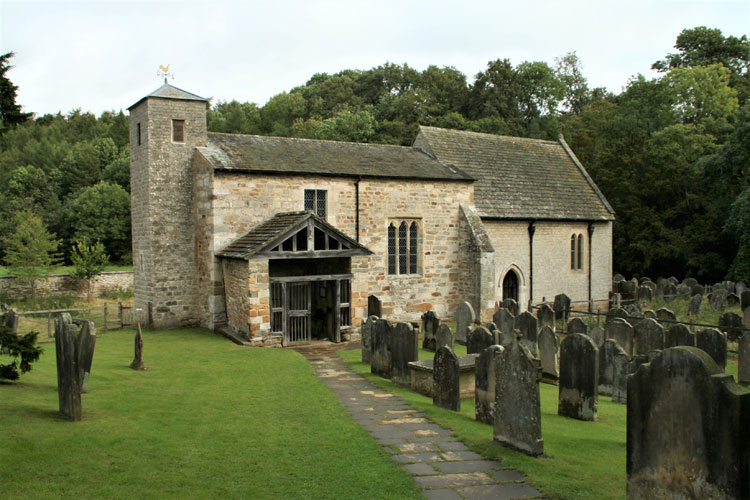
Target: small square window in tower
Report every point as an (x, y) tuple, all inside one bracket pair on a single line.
[(315, 201), (178, 130)]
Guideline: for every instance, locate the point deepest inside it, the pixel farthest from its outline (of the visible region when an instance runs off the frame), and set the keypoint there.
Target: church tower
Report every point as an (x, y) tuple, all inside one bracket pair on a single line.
[(165, 127)]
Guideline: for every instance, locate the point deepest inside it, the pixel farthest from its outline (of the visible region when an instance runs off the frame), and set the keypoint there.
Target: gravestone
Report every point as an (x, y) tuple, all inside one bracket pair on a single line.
[(718, 299), (678, 334), (733, 300), (518, 419), (607, 369), (579, 377), (695, 306), (510, 305), (484, 384), (645, 294), (664, 314), (75, 354), (506, 323), (743, 360), (545, 317), (381, 358), (479, 339), (621, 332), (137, 363), (697, 290), (659, 290), (622, 367), (617, 278), (405, 349), (447, 392), (686, 430), (86, 345), (526, 324), (492, 328), (683, 292), (744, 300), (628, 289), (649, 313), (597, 335), (634, 312), (562, 307), (740, 287), (617, 312), (430, 324), (648, 335), (644, 279), (443, 336), (577, 325), (746, 317), (549, 349), (366, 330), (464, 321), (731, 324), (691, 282), (670, 292), (713, 342), (374, 306), (9, 319)]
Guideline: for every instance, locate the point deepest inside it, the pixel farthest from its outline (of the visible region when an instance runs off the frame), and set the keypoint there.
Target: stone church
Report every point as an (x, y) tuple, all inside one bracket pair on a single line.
[(280, 240)]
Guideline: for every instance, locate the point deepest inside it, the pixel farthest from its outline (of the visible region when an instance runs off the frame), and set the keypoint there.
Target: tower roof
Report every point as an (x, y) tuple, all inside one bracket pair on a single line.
[(168, 91)]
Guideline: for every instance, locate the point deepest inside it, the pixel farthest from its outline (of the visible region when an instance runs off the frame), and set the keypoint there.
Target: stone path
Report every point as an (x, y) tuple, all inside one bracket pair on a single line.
[(441, 465)]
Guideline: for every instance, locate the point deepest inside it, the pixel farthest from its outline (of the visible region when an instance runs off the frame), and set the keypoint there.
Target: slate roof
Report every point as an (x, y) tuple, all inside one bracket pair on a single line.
[(519, 178), (168, 91), (284, 155), (266, 233)]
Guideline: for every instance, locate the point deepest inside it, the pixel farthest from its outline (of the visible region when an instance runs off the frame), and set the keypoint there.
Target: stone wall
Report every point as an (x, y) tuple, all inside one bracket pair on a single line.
[(236, 283), (63, 284)]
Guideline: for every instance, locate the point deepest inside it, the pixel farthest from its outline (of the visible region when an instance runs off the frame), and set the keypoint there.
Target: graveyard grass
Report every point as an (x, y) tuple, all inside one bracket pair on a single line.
[(208, 419)]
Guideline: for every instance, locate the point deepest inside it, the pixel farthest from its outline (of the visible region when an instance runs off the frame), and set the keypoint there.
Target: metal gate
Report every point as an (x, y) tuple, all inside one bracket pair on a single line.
[(298, 328)]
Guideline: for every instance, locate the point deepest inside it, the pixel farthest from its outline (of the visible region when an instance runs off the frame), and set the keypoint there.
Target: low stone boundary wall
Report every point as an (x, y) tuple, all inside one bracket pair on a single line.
[(63, 284)]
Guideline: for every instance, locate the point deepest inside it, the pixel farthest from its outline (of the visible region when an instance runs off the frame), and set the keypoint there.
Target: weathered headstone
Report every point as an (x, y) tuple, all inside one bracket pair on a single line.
[(743, 360), (443, 336), (649, 313), (718, 299), (621, 332), (464, 321), (617, 312), (562, 307), (598, 335), (484, 384), (381, 359), (691, 282), (645, 294), (579, 377), (678, 334), (686, 430), (492, 328), (731, 324), (697, 290), (510, 305), (367, 326), (478, 340), (518, 419), (405, 349), (628, 289), (733, 300), (607, 369), (744, 300), (740, 287), (683, 292), (648, 335), (713, 342), (622, 367), (746, 317), (695, 306), (68, 367), (430, 324), (545, 316), (617, 278), (526, 324), (86, 344), (670, 292), (447, 393), (9, 319), (137, 363), (506, 323), (374, 306), (577, 325), (549, 349), (664, 314)]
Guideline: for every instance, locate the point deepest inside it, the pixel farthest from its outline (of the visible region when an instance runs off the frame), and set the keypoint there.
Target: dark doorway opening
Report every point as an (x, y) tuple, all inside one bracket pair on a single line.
[(510, 286)]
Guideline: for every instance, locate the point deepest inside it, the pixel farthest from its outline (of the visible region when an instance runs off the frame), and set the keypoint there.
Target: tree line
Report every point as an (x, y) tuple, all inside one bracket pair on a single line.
[(670, 153)]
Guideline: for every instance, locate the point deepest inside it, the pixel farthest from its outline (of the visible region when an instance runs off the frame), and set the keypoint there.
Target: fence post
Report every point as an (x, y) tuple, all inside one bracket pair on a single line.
[(119, 306), (49, 324), (105, 316), (598, 317)]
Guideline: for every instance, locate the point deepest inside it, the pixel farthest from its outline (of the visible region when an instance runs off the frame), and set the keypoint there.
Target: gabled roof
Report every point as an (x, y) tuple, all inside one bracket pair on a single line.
[(519, 178), (168, 91), (267, 239), (284, 155)]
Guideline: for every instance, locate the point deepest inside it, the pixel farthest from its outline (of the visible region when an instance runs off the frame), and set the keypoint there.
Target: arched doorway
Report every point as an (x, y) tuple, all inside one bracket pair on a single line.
[(510, 286)]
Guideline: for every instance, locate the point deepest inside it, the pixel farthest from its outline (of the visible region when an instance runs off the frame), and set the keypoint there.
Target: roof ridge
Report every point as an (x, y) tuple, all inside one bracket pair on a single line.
[(308, 139), (487, 134)]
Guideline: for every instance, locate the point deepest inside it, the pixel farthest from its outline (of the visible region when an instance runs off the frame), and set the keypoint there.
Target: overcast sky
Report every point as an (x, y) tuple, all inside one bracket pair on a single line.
[(104, 55)]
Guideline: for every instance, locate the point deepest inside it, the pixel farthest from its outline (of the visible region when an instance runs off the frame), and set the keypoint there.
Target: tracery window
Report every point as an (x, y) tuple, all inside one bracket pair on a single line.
[(403, 246)]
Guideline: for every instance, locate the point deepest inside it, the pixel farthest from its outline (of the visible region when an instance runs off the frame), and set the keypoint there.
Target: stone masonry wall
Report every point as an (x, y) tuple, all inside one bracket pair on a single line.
[(63, 284), (238, 294)]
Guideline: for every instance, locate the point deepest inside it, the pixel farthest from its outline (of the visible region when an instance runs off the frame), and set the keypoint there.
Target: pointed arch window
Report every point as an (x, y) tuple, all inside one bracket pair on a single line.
[(404, 242)]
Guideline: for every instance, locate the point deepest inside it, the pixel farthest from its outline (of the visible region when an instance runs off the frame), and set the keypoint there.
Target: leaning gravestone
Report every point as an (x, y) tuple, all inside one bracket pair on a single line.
[(405, 349), (648, 335), (447, 393), (743, 360), (510, 305), (597, 335), (506, 323), (579, 377), (686, 430), (75, 354), (577, 325), (86, 345), (696, 305), (374, 306), (664, 314), (137, 363), (518, 419), (744, 300), (718, 299), (381, 359), (546, 317), (9, 319), (484, 384), (731, 324), (549, 348), (607, 366), (443, 336), (621, 332), (526, 324), (713, 342), (562, 307), (367, 326), (478, 340), (430, 324), (677, 335), (464, 320)]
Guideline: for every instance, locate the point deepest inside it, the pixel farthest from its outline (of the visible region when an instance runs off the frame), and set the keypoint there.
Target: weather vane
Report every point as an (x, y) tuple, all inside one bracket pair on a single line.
[(164, 71)]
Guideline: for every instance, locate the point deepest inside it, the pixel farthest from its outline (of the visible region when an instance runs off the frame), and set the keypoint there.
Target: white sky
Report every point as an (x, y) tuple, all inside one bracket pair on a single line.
[(102, 55)]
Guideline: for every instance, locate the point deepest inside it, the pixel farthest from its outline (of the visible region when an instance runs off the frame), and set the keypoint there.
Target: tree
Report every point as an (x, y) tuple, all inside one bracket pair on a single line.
[(30, 252), (10, 112), (16, 347), (88, 261), (568, 69)]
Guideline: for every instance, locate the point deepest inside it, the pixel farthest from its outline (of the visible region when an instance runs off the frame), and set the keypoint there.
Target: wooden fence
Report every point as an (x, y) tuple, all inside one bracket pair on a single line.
[(105, 317)]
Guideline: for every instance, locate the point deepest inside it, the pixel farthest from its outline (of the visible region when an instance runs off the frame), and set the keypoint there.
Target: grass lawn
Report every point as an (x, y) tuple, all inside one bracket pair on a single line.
[(208, 419), (585, 460)]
